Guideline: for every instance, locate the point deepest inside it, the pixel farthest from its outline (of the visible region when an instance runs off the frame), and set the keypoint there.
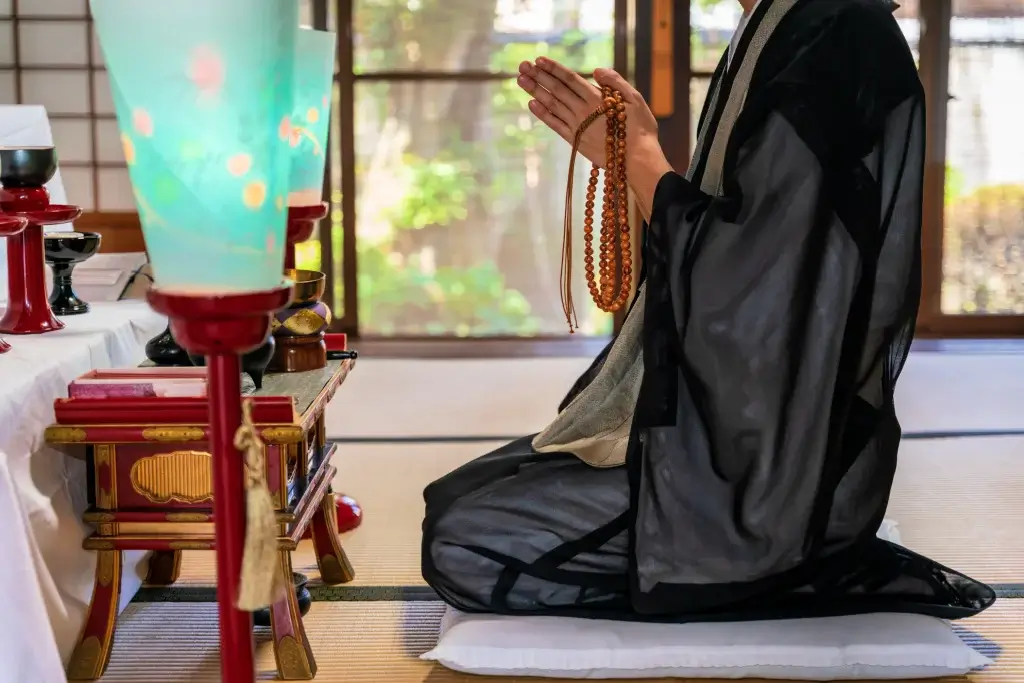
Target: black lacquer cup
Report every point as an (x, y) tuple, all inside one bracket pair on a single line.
[(27, 167), (64, 251)]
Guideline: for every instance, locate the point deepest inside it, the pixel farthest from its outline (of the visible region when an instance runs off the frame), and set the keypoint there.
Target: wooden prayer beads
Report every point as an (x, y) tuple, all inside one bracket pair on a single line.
[(611, 283)]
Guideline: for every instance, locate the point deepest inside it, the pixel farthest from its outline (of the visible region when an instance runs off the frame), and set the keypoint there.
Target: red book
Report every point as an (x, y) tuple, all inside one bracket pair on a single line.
[(153, 410)]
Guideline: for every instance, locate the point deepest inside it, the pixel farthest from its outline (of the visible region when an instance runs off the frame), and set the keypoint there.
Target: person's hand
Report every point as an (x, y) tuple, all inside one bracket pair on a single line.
[(562, 99)]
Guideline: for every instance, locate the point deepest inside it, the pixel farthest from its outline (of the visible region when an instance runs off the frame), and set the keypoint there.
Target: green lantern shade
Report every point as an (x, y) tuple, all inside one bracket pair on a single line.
[(306, 130), (202, 89)]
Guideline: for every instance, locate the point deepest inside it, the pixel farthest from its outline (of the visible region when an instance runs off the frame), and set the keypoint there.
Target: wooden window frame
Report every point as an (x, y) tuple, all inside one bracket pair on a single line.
[(935, 48)]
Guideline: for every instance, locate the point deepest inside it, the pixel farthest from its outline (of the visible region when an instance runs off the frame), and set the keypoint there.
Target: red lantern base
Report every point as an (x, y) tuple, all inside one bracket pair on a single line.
[(302, 222), (222, 327), (28, 305)]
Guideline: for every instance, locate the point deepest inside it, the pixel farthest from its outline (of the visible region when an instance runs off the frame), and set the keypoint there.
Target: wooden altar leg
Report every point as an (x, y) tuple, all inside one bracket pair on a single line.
[(92, 652), (291, 646), (164, 567), (330, 556)]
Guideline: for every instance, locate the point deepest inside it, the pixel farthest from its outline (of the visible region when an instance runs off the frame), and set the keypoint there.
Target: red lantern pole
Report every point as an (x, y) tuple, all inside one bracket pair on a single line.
[(222, 327)]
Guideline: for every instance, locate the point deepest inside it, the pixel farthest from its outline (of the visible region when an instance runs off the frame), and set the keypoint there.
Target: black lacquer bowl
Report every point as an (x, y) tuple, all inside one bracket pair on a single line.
[(254, 363), (302, 595), (26, 167), (63, 251)]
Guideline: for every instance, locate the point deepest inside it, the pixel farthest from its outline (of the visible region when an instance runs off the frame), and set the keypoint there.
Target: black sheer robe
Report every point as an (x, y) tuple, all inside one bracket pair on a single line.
[(778, 304)]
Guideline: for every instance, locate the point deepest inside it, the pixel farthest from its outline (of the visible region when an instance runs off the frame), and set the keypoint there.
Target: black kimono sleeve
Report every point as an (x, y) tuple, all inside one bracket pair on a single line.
[(748, 301)]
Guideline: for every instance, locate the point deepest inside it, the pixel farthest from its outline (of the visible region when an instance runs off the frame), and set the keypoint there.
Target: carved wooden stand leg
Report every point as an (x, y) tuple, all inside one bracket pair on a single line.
[(164, 567), (291, 646), (330, 556), (92, 652)]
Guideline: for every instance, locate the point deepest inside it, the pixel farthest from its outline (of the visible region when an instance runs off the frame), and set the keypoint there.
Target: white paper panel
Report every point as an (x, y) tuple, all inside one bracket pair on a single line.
[(6, 43), (7, 92), (61, 92), (6, 8), (108, 142), (306, 13), (97, 51), (73, 140), (53, 42), (104, 101), (78, 184), (115, 190), (53, 8)]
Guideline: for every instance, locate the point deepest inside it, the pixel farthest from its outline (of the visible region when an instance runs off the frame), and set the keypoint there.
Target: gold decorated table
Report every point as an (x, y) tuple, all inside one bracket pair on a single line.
[(150, 487)]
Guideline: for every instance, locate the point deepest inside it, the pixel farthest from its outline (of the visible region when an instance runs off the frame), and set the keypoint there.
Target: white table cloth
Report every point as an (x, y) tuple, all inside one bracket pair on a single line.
[(27, 649), (50, 487)]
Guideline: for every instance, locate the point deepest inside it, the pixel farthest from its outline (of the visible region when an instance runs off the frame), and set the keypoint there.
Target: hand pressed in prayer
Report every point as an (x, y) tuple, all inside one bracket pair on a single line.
[(563, 99)]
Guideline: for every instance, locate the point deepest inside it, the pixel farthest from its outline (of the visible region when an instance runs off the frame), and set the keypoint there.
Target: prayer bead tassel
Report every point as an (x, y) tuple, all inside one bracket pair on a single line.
[(611, 283)]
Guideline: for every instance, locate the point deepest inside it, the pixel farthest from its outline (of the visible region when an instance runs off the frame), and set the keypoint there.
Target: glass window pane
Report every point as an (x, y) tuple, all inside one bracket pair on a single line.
[(712, 23), (461, 197), (481, 35), (983, 242)]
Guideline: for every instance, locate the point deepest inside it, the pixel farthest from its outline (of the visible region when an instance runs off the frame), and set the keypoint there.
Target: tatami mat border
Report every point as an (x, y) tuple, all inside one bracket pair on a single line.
[(477, 438), (321, 593)]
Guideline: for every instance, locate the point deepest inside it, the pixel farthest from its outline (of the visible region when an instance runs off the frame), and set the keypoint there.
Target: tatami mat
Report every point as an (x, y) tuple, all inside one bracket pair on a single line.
[(961, 502), (444, 397), (395, 398), (388, 482), (380, 642), (957, 501)]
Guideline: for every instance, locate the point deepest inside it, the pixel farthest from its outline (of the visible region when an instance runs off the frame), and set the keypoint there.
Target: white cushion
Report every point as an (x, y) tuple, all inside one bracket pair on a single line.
[(868, 646), (859, 647)]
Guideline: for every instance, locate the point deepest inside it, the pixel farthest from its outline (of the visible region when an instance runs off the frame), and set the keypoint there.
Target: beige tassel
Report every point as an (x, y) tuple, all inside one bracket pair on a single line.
[(260, 582)]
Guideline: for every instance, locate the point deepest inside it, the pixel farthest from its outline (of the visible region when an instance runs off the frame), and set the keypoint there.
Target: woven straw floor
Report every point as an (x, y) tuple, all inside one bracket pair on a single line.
[(955, 500), (379, 642)]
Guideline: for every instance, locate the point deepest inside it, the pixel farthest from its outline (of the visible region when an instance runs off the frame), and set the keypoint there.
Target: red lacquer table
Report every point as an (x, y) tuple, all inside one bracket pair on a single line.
[(150, 488)]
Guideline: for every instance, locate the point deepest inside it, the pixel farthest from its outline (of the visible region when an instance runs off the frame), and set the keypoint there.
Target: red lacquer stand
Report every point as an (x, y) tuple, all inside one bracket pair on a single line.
[(10, 226), (302, 222), (222, 327), (28, 305)]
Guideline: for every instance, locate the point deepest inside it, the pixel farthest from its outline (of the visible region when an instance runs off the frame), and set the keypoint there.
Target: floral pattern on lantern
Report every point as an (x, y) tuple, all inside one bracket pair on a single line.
[(200, 88), (304, 130)]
